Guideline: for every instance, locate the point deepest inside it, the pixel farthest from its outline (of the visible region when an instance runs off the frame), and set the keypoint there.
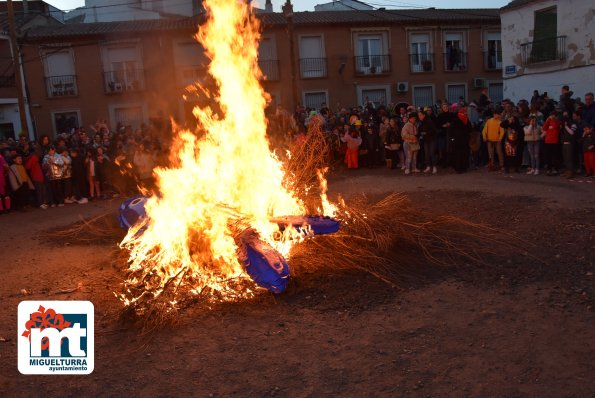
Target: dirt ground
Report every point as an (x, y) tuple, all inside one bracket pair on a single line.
[(522, 325)]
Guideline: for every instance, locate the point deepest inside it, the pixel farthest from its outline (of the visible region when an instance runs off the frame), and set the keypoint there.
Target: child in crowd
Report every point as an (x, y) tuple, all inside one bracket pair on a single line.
[(511, 147), (20, 183), (53, 164), (353, 141)]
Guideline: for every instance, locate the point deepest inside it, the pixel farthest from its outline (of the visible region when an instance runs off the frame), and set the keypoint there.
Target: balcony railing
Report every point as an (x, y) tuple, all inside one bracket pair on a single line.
[(119, 81), (61, 86), (492, 60), (543, 50), (7, 81), (372, 65), (269, 68), (423, 62), (455, 61), (313, 67)]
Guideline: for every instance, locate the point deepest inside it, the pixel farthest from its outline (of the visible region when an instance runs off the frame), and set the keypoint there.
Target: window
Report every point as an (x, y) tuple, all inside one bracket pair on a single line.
[(267, 58), (6, 65), (191, 63), (129, 116), (65, 121), (313, 99), (60, 79), (420, 52), (493, 54), (376, 96), (544, 35), (496, 92), (455, 91), (371, 53), (123, 69), (312, 60), (455, 57), (423, 96)]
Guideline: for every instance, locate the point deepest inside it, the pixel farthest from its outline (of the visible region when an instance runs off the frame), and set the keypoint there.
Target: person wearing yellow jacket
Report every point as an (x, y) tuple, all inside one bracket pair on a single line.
[(492, 134)]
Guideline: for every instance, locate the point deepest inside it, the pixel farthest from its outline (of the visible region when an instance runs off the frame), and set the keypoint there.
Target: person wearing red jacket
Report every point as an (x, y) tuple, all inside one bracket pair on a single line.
[(33, 167), (551, 134)]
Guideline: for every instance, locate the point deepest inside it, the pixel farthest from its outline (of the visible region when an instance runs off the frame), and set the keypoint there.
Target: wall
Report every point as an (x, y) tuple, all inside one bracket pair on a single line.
[(576, 20), (342, 83)]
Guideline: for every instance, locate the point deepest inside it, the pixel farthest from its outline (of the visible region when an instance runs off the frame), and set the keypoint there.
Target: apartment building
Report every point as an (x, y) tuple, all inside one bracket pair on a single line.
[(131, 71), (548, 44)]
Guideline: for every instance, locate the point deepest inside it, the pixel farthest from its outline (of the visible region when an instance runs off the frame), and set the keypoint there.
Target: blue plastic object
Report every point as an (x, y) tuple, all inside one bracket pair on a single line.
[(131, 211), (265, 265), (320, 225)]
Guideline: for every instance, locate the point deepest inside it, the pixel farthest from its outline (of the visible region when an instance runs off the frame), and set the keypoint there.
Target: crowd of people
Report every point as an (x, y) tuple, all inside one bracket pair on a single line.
[(78, 166), (540, 134)]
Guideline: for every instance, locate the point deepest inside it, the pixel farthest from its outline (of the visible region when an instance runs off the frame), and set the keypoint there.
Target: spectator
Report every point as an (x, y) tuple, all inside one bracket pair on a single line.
[(410, 144), (4, 196), (33, 167), (551, 134), (79, 184), (589, 149), (493, 134), (460, 131), (532, 138), (53, 165), (20, 183), (589, 109), (427, 130), (353, 141)]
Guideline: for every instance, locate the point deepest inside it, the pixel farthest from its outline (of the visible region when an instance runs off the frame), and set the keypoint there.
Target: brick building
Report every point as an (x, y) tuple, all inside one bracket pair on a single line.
[(131, 71)]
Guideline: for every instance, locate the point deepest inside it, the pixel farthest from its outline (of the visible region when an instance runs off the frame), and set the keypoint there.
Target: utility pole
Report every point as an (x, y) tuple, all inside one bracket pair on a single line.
[(288, 14), (16, 59)]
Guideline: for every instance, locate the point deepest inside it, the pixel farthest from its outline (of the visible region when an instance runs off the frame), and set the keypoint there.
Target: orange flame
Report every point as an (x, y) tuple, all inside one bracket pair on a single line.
[(226, 177)]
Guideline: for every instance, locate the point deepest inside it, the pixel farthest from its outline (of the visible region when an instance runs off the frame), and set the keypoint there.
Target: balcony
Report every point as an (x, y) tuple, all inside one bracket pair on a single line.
[(544, 50), (120, 81), (311, 68), (492, 60), (372, 65), (455, 61), (421, 62), (269, 68), (61, 86), (7, 81)]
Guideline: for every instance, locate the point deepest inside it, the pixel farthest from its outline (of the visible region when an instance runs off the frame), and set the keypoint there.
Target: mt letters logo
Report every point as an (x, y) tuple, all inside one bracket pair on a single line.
[(56, 337)]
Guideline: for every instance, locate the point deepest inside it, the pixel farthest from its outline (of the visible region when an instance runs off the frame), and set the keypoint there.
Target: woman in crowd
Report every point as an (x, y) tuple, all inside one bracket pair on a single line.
[(460, 131), (4, 196), (427, 129), (532, 140), (410, 144)]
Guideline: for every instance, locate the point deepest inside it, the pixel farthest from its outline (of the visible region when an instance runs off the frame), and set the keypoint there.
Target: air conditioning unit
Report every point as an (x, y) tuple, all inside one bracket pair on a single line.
[(118, 87), (402, 87), (479, 82)]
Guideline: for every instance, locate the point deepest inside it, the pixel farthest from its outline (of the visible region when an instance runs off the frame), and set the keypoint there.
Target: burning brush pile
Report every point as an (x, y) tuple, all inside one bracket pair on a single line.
[(227, 205)]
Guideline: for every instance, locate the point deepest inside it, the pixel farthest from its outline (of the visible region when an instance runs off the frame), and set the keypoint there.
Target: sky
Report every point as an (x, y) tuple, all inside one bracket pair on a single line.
[(308, 5)]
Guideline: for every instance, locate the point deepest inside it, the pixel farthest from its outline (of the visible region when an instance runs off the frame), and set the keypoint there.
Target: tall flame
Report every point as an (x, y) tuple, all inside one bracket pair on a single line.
[(226, 176)]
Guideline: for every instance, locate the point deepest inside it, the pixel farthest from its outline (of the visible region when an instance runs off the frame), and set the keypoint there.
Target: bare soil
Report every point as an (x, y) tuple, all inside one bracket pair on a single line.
[(522, 325)]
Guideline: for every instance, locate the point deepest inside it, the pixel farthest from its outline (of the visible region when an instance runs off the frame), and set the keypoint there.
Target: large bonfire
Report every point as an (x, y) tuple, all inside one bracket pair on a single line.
[(220, 181)]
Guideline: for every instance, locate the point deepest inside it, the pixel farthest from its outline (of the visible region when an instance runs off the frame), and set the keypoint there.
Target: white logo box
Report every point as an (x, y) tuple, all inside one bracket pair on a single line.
[(80, 361)]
